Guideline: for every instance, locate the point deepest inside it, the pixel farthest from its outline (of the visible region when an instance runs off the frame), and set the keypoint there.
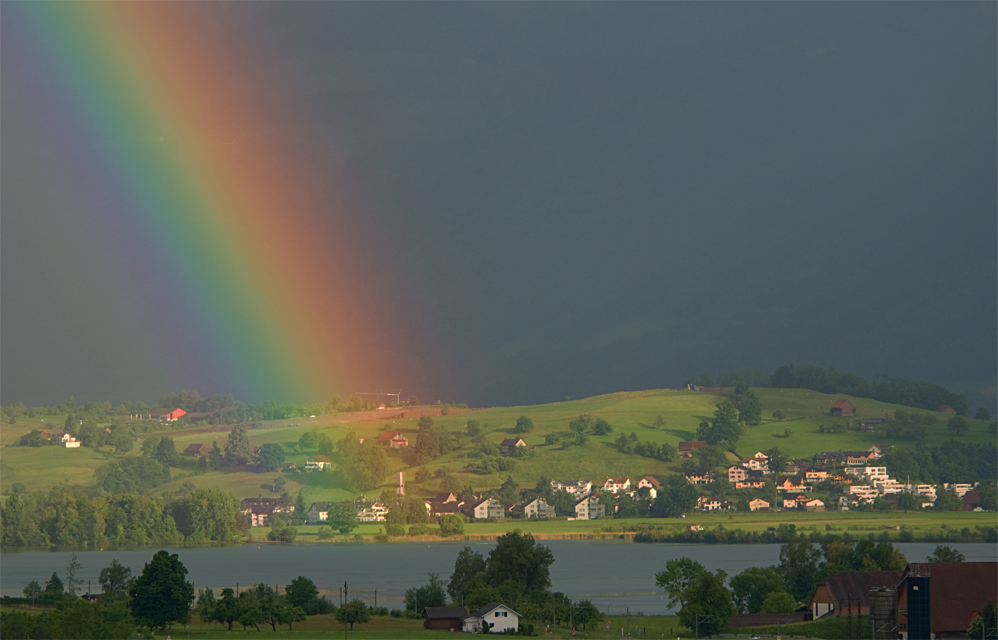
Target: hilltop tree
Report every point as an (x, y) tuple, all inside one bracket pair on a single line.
[(364, 463), (524, 425), (166, 450), (238, 449), (750, 409), (724, 430), (958, 425), (602, 427), (582, 424), (271, 457)]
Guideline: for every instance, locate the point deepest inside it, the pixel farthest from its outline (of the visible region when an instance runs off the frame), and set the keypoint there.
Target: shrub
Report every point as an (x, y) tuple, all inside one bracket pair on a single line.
[(395, 530)]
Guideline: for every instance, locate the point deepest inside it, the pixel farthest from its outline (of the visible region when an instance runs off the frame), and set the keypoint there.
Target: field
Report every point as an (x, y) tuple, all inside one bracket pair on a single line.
[(46, 467)]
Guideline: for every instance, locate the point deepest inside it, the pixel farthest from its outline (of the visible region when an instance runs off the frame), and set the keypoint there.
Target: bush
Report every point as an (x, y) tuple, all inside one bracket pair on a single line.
[(396, 613), (325, 533), (395, 530)]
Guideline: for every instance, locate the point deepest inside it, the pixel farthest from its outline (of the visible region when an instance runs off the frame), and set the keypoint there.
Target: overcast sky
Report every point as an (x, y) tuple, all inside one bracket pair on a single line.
[(577, 198)]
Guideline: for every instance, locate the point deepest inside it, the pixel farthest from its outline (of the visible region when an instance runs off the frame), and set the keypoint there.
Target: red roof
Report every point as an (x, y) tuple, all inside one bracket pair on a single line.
[(387, 436), (653, 482), (321, 459), (958, 591), (694, 444), (842, 404)]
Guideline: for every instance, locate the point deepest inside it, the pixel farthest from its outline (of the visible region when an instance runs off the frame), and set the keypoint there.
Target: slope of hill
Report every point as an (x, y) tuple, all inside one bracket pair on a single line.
[(635, 412)]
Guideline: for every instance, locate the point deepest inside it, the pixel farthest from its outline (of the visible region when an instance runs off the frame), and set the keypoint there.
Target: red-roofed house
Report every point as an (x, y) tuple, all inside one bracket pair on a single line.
[(393, 440), (686, 449), (842, 408)]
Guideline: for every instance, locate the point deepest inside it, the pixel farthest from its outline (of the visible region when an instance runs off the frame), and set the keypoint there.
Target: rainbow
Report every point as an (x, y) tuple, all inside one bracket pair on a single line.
[(236, 240)]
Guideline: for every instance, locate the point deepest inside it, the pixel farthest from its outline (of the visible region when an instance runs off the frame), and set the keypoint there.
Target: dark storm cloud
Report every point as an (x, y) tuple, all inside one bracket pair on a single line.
[(569, 199)]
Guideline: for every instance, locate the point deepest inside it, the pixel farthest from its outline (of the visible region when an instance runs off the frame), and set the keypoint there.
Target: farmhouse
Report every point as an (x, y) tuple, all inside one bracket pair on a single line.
[(393, 440), (319, 511), (318, 463), (699, 476), (494, 617), (842, 408), (870, 425), (831, 595), (510, 445), (197, 450), (69, 441)]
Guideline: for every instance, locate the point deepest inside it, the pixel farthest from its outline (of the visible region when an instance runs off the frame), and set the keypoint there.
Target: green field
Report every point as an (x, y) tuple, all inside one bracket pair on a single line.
[(47, 467)]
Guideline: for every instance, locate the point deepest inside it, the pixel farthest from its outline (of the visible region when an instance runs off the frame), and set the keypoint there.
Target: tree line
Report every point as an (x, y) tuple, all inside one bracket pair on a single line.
[(911, 393)]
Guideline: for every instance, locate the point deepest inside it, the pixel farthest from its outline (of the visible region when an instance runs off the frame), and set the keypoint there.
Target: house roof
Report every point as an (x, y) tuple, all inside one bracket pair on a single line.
[(489, 608), (653, 482), (842, 404), (387, 436), (699, 471), (971, 499), (320, 506), (692, 444), (438, 613), (617, 480), (957, 591), (320, 459), (197, 446), (164, 412), (511, 442), (856, 583)]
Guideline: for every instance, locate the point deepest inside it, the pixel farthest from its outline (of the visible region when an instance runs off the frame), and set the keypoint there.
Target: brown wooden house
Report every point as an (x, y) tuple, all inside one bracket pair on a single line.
[(444, 618), (842, 408)]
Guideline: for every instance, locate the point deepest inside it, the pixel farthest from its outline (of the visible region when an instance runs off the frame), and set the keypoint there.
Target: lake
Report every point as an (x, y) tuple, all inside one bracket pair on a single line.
[(614, 574)]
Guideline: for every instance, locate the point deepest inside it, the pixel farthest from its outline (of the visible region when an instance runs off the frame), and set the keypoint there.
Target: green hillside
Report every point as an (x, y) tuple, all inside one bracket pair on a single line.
[(44, 468)]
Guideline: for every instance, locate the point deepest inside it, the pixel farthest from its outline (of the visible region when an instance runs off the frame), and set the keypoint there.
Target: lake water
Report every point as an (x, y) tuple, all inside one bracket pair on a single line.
[(613, 574)]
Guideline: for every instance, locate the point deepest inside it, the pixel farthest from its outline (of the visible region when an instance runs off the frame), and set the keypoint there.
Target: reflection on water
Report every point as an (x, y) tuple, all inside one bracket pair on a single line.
[(613, 574)]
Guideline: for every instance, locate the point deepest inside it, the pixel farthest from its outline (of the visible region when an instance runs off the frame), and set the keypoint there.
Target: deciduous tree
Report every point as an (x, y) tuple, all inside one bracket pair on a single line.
[(162, 595)]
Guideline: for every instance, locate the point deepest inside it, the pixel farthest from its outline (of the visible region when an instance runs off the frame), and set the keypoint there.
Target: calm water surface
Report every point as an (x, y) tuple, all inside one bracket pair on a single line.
[(613, 574)]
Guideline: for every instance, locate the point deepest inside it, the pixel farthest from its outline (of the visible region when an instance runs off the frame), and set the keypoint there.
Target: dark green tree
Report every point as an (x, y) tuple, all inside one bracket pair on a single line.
[(215, 456), (678, 577), (582, 424), (984, 625), (908, 502), (162, 595), (429, 595), (945, 553), (166, 450), (708, 606), (778, 602), (799, 567), (519, 559), (226, 609), (524, 425), (751, 587), (32, 590), (353, 612), (724, 430), (114, 580), (270, 457), (469, 567), (585, 613), (308, 441), (301, 592), (750, 409), (343, 517), (54, 586), (982, 414), (238, 450), (776, 460), (602, 427), (958, 425)]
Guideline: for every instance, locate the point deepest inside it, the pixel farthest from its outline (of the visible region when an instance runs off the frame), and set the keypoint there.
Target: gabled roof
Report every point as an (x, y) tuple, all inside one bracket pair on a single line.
[(617, 480), (320, 459), (856, 583), (387, 436), (957, 591), (437, 613), (321, 506), (692, 444), (655, 483), (489, 608), (511, 442), (699, 471), (841, 404), (197, 446)]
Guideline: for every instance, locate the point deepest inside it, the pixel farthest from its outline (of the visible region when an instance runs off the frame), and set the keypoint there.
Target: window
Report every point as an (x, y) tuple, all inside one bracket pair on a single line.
[(497, 614), (504, 614)]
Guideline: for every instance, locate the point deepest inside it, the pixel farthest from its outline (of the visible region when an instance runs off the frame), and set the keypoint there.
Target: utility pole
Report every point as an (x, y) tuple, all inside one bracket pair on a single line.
[(628, 622), (345, 595), (571, 623)]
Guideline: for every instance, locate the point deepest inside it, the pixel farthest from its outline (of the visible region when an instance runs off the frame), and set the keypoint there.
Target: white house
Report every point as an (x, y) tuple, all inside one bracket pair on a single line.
[(319, 512), (488, 508), (589, 508), (538, 509), (737, 474), (617, 485), (318, 463), (758, 505), (495, 617), (69, 441), (577, 488), (371, 511)]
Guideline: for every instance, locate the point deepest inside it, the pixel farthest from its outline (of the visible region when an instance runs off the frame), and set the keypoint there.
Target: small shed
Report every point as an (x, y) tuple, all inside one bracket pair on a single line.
[(509, 445), (444, 618), (842, 408), (197, 450)]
